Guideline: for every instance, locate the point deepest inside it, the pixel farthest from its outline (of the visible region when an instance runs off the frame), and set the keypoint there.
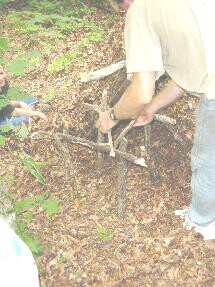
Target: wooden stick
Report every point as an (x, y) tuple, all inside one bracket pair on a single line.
[(67, 160), (150, 158), (122, 169), (102, 73), (164, 119), (110, 140), (104, 147), (100, 139), (124, 133)]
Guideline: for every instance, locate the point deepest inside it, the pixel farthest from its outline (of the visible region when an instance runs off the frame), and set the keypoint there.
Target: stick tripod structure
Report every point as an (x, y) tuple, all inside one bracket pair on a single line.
[(117, 144)]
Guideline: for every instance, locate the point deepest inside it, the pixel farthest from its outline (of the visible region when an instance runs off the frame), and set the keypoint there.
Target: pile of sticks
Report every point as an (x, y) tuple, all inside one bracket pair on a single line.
[(116, 148)]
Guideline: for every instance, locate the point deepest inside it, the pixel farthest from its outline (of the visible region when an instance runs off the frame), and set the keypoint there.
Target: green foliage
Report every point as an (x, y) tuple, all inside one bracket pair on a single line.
[(50, 95), (6, 128), (31, 203), (4, 2), (51, 20), (2, 140), (7, 178), (4, 45), (22, 131), (28, 237), (21, 62), (62, 259), (104, 234), (25, 211), (51, 206), (34, 167), (45, 6), (47, 15), (17, 66), (61, 63)]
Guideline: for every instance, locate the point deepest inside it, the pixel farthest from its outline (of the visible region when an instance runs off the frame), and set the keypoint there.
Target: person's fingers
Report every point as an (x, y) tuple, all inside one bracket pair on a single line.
[(138, 124)]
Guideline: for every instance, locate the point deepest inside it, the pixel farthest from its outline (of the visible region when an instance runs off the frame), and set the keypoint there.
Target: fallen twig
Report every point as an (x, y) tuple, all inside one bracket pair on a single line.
[(102, 147), (102, 73), (122, 169), (123, 133), (110, 141)]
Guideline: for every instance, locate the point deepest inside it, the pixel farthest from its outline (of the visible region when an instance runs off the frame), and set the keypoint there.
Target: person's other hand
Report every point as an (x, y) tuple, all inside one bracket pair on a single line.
[(105, 123), (40, 115), (3, 76), (145, 118)]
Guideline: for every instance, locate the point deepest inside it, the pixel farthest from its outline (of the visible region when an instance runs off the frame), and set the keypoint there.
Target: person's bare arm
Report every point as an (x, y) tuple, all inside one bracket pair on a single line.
[(138, 94), (20, 104), (30, 113), (167, 96)]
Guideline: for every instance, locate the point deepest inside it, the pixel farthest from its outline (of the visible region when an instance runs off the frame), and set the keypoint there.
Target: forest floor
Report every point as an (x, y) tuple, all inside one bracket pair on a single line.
[(147, 248)]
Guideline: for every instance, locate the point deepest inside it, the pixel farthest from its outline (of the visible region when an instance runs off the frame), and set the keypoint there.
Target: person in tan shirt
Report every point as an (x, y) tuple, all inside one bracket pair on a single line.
[(177, 37)]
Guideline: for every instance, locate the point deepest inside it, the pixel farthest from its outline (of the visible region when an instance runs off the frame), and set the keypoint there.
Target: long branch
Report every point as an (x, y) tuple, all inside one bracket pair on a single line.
[(105, 148)]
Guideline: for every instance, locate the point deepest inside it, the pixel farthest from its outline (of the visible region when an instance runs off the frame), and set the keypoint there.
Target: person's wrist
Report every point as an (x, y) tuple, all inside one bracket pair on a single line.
[(113, 115), (151, 109)]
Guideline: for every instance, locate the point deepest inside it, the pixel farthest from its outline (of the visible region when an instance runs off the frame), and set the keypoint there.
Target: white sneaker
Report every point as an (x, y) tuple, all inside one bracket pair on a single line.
[(208, 231)]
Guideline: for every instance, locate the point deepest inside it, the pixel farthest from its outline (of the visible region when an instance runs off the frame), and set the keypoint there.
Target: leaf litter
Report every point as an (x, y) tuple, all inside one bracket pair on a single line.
[(146, 248)]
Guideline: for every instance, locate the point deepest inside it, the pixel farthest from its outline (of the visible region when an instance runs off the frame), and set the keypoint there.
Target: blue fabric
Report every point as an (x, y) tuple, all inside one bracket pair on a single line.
[(29, 101), (202, 208), (16, 121)]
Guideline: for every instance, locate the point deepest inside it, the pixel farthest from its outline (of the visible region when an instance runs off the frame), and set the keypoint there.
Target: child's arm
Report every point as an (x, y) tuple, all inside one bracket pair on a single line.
[(22, 105), (30, 113)]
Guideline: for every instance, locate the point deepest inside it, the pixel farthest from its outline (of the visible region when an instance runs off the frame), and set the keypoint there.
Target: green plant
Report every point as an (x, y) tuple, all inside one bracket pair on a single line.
[(21, 62), (104, 234), (62, 259), (4, 2), (31, 203), (7, 178), (18, 67), (34, 167), (28, 237), (50, 95), (62, 62), (22, 131), (25, 210)]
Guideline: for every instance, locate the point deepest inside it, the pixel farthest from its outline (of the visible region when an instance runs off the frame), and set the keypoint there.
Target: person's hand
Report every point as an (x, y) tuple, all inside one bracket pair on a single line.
[(39, 115), (3, 76), (145, 118), (105, 123)]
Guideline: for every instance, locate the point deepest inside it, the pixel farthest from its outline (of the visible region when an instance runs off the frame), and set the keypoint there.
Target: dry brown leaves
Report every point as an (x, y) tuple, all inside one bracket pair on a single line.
[(149, 246)]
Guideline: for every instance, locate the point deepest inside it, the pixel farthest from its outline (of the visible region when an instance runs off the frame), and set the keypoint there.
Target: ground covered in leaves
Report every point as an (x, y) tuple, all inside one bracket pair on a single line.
[(85, 243)]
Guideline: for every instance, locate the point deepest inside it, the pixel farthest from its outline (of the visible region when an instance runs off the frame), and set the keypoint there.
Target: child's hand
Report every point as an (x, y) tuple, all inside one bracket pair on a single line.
[(38, 114), (26, 112)]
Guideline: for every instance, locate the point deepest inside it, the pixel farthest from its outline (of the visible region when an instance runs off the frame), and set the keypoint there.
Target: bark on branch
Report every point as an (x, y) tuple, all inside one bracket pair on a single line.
[(102, 147), (102, 73)]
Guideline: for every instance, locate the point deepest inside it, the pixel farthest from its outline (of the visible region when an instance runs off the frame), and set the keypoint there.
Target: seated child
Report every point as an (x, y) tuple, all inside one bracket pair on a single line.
[(17, 112)]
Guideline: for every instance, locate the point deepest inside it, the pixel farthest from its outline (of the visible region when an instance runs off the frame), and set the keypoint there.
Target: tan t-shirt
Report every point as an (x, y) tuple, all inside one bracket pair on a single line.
[(175, 36)]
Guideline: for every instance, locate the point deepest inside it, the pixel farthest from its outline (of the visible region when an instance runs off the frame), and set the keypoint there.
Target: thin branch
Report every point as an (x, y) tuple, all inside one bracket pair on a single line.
[(102, 73), (122, 169), (164, 119), (104, 147), (124, 133), (110, 141)]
